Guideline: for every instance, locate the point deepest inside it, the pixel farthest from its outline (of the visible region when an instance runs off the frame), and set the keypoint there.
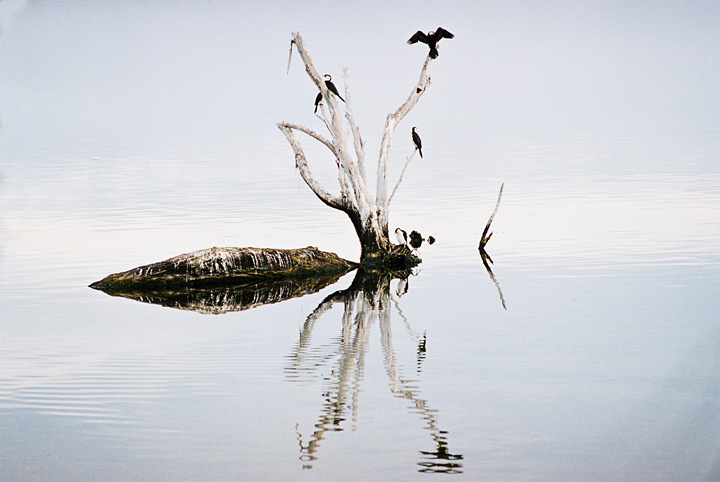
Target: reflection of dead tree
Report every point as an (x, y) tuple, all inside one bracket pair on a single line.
[(347, 356), (440, 461), (401, 290), (366, 300), (484, 238)]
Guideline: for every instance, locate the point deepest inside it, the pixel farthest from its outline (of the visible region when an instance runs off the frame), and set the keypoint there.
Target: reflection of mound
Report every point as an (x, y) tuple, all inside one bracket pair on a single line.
[(220, 300)]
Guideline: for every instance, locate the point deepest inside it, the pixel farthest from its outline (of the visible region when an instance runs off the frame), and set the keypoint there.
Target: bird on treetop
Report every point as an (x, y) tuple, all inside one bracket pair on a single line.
[(431, 39)]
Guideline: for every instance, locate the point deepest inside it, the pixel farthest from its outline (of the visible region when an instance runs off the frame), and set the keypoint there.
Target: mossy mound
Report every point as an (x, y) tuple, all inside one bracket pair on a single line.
[(222, 267)]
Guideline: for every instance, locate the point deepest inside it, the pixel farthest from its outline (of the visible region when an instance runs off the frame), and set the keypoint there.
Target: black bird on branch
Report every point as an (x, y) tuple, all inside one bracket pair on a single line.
[(431, 39), (417, 141), (331, 87)]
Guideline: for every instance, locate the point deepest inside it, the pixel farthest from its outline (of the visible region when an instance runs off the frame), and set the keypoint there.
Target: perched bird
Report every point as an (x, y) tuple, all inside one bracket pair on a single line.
[(416, 239), (417, 141), (331, 87), (431, 39), (401, 236)]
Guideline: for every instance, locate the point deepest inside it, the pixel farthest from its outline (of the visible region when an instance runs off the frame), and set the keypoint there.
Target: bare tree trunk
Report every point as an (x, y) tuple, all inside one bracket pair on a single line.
[(368, 215)]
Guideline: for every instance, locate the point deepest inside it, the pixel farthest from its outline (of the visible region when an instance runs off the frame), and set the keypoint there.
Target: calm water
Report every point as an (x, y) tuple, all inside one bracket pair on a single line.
[(133, 134)]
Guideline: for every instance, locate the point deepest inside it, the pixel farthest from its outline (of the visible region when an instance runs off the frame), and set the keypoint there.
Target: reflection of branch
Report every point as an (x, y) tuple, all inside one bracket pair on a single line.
[(485, 258), (406, 388)]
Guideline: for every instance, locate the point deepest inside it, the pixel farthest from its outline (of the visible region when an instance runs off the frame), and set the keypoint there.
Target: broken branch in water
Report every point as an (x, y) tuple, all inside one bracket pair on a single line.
[(485, 236), (484, 240)]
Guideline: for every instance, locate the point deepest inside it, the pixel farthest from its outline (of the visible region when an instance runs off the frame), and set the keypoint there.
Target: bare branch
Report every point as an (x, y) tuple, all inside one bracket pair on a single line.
[(309, 67), (315, 76), (312, 134), (290, 56), (357, 138), (301, 163), (401, 176), (323, 117)]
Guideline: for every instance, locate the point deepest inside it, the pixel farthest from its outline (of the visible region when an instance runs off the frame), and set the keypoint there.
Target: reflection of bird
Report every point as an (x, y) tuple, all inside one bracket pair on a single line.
[(431, 39), (331, 87), (402, 287), (422, 348), (421, 351), (401, 236), (417, 141)]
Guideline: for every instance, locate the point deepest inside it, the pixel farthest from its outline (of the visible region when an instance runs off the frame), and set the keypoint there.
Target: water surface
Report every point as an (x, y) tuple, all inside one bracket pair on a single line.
[(133, 134)]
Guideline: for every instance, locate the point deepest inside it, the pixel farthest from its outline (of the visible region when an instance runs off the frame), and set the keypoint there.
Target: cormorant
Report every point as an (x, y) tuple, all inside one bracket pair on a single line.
[(331, 87), (401, 236), (416, 239), (417, 141), (431, 39)]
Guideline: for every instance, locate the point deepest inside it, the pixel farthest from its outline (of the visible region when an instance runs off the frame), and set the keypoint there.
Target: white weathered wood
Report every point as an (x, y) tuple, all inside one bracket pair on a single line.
[(302, 165), (485, 237), (357, 138), (312, 134), (401, 176), (289, 56)]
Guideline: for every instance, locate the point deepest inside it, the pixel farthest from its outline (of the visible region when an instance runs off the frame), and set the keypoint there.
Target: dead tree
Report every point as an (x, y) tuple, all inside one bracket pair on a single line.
[(369, 214)]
